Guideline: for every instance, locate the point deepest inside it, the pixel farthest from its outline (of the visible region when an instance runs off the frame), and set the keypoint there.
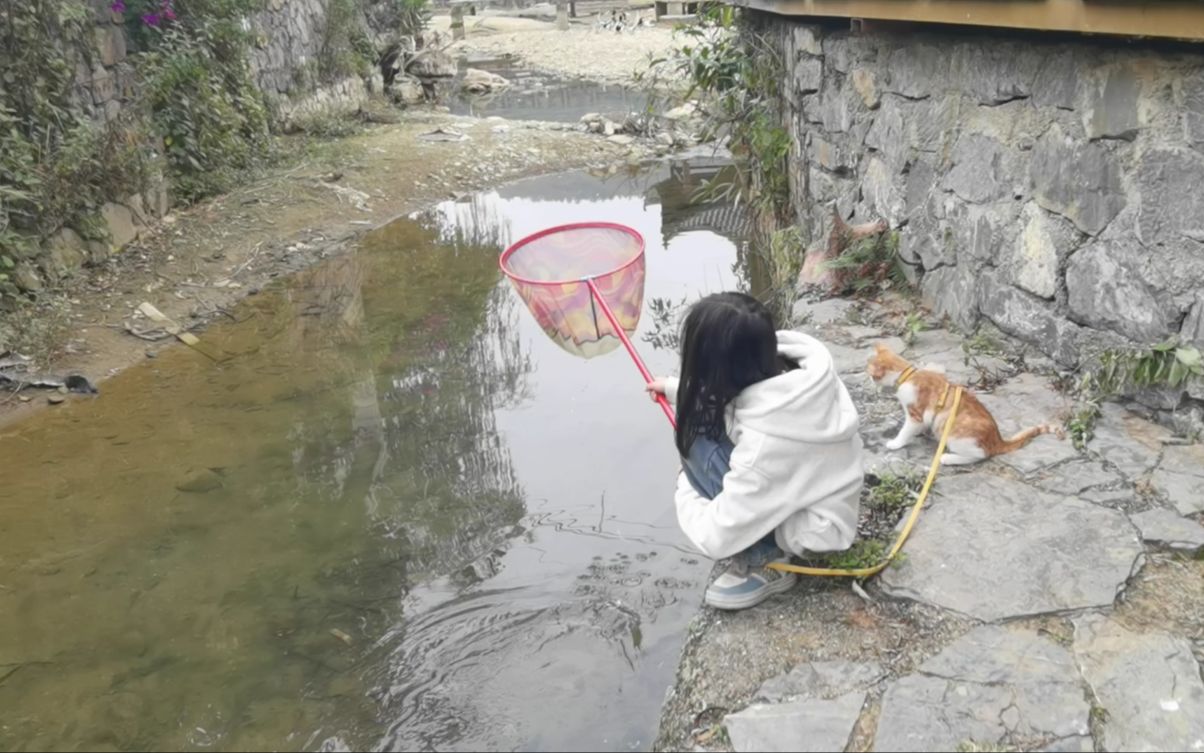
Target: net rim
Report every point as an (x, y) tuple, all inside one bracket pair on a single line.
[(518, 245)]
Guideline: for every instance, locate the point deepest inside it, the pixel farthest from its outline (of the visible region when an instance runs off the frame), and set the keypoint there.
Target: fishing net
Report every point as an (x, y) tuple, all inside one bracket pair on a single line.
[(552, 271)]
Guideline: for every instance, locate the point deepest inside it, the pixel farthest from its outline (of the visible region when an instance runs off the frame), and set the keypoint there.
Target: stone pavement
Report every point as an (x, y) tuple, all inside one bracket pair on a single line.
[(1049, 600)]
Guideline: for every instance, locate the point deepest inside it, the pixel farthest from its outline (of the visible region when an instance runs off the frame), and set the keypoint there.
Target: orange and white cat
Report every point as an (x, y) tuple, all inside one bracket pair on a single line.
[(927, 396)]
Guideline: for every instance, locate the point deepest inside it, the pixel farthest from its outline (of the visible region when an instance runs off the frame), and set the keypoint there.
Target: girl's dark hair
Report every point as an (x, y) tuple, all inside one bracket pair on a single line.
[(728, 342)]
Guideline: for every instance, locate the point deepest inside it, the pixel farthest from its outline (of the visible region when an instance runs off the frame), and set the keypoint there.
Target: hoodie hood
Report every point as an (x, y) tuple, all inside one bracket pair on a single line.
[(808, 404)]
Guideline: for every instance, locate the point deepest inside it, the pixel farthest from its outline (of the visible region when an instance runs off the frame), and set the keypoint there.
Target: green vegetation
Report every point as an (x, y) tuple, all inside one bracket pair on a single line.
[(56, 165), (781, 258), (981, 344), (193, 103), (197, 86), (666, 322), (872, 263), (737, 73), (894, 492), (912, 327), (346, 48), (1167, 364), (863, 553)]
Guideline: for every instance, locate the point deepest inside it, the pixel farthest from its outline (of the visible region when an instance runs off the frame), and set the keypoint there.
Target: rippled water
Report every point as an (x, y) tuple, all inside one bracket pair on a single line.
[(394, 516)]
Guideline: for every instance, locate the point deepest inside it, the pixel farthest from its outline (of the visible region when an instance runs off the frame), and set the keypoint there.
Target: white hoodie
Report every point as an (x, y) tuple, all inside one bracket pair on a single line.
[(796, 466)]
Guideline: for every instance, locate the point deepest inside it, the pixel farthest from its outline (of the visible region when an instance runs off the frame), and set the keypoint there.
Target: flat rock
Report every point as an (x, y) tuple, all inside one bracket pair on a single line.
[(830, 311), (1168, 528), (1128, 441), (200, 482), (1180, 477), (820, 679), (847, 359), (1074, 477), (911, 460), (993, 548), (1026, 401), (862, 334), (801, 726), (990, 686), (1117, 497), (935, 346), (1149, 684), (940, 348)]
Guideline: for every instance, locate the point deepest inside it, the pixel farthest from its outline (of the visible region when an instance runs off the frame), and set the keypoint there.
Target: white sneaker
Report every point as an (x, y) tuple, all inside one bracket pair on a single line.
[(741, 587)]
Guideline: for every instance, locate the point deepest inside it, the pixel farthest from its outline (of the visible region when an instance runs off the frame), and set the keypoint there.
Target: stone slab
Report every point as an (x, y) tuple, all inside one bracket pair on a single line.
[(820, 679), (1026, 401), (1168, 528), (994, 548), (800, 727), (1129, 442), (1148, 683), (1180, 477), (1072, 478), (990, 686)]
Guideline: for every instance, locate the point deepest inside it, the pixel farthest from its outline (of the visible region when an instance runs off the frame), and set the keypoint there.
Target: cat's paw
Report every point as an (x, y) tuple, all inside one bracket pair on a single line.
[(895, 444)]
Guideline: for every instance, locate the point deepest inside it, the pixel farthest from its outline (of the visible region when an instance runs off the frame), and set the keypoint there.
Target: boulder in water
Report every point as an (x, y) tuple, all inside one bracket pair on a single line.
[(477, 81), (407, 90), (431, 64)]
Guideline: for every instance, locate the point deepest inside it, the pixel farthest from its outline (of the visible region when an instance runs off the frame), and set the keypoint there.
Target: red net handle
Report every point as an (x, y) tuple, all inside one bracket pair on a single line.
[(631, 351)]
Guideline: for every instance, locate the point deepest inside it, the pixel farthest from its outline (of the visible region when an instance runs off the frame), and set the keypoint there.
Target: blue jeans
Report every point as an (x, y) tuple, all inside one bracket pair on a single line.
[(705, 466)]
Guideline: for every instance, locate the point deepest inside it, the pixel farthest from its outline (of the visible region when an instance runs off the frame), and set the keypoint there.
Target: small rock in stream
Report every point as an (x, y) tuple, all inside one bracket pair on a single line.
[(200, 482)]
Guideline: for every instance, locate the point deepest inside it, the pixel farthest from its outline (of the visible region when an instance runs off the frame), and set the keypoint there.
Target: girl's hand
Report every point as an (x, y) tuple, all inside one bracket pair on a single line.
[(655, 389)]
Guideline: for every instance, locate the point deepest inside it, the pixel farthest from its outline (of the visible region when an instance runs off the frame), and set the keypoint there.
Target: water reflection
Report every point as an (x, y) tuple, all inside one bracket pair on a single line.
[(391, 506), (537, 96)]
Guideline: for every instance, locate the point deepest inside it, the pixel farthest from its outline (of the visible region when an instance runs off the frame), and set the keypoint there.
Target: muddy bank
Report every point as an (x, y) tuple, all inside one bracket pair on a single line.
[(203, 259)]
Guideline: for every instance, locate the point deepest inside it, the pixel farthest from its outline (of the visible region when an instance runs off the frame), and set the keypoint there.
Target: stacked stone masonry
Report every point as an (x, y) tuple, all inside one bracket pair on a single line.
[(289, 36), (1051, 186)]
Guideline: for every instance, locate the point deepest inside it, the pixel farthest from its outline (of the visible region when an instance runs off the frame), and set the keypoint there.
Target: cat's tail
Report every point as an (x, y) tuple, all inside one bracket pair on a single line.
[(1026, 436)]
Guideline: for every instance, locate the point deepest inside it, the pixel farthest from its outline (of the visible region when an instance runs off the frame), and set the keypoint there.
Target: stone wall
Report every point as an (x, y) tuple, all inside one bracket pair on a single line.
[(1052, 186), (105, 90), (290, 36), (289, 39), (104, 78)]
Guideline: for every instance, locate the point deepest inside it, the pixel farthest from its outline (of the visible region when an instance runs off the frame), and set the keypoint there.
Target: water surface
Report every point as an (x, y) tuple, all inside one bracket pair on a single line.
[(395, 516)]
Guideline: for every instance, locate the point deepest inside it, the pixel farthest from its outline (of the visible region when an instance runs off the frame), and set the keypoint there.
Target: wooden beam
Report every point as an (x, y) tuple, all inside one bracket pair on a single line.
[(1166, 19)]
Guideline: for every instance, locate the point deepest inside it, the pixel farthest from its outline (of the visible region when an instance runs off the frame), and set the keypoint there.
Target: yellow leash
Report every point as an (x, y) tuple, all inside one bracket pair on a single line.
[(866, 572)]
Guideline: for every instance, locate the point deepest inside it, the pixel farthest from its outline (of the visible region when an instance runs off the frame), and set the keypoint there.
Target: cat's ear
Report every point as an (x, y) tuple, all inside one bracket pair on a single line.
[(881, 348)]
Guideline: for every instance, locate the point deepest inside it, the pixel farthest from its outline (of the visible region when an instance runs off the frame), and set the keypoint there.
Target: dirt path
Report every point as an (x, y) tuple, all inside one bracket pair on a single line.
[(205, 258)]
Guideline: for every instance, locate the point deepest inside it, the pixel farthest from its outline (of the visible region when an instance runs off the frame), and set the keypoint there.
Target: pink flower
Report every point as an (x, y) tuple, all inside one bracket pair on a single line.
[(118, 6)]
